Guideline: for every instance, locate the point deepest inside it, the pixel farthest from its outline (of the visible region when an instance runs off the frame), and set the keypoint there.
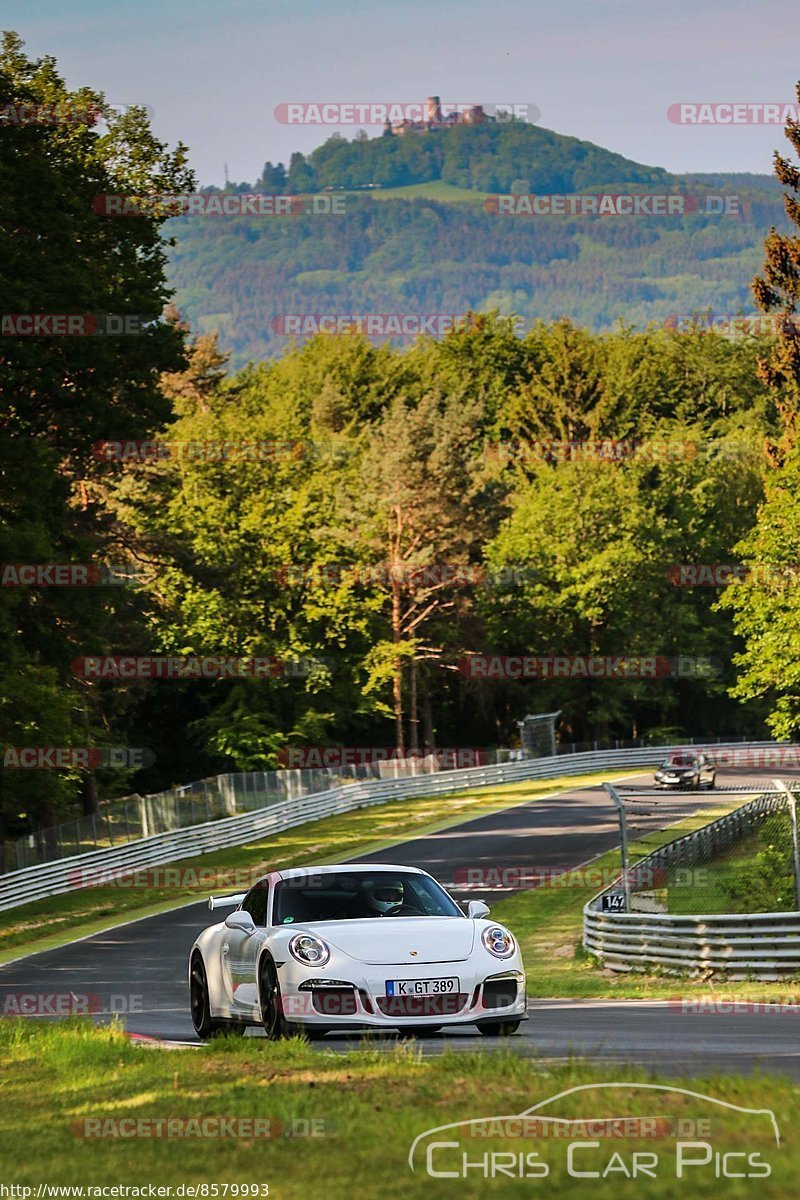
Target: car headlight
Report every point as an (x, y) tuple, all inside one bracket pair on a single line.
[(498, 942), (309, 950)]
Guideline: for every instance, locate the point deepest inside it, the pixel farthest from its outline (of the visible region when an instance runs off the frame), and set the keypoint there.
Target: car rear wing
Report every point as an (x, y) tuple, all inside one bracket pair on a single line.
[(225, 901)]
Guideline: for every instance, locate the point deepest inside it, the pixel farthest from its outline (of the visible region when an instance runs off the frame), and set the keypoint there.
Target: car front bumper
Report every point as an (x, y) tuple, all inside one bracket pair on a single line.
[(336, 1001)]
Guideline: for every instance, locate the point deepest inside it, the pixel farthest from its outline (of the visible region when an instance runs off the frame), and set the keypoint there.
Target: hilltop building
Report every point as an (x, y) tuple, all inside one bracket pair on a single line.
[(436, 119)]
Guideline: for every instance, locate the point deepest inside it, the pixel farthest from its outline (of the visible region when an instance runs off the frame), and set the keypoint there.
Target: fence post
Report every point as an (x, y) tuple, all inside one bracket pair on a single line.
[(623, 841), (791, 803)]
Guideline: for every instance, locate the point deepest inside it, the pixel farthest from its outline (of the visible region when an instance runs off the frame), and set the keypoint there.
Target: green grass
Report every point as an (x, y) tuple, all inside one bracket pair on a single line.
[(58, 919), (548, 921), (754, 875), (367, 1107), (434, 190)]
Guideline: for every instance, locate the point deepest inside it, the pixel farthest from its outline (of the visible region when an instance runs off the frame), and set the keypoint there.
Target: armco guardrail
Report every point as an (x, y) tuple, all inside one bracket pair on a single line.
[(131, 818), (759, 944), (52, 879)]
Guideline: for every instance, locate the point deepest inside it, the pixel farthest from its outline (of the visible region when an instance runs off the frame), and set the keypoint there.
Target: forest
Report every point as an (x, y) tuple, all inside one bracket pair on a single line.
[(366, 521)]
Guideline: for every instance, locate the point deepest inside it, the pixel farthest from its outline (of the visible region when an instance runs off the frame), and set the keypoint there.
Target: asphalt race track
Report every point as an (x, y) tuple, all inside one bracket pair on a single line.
[(139, 970)]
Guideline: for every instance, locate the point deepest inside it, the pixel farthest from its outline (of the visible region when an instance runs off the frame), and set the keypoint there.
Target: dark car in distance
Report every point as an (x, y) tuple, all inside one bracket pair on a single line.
[(686, 770)]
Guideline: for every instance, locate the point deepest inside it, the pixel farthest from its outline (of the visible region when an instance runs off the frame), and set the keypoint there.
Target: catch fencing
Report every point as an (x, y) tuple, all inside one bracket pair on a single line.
[(628, 927), (274, 815), (134, 817)]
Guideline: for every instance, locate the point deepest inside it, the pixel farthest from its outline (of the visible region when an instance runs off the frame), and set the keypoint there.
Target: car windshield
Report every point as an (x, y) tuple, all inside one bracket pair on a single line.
[(679, 761), (351, 895)]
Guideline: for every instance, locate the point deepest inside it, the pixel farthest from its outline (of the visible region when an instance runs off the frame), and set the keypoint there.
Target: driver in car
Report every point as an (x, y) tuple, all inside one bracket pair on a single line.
[(383, 897)]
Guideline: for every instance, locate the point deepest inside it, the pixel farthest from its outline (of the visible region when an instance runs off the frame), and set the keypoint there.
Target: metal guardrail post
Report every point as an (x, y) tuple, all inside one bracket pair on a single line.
[(623, 841), (791, 804)]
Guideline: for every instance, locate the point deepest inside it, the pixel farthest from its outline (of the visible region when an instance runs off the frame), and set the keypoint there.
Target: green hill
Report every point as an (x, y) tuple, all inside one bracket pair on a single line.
[(507, 157), (423, 242)]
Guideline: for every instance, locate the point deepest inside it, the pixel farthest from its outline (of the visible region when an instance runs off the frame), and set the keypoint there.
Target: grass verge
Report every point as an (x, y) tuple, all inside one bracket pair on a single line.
[(366, 1108), (44, 924), (435, 189)]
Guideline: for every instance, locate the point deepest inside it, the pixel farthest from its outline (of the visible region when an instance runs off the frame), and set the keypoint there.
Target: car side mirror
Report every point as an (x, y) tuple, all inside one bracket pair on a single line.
[(476, 908), (241, 920)]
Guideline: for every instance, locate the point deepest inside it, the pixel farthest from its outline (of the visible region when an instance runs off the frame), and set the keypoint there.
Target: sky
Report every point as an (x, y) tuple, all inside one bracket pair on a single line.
[(213, 73)]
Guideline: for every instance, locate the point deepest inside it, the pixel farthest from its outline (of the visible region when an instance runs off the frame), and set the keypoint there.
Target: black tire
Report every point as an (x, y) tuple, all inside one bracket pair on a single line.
[(205, 1025), (269, 993), (712, 783), (499, 1028)]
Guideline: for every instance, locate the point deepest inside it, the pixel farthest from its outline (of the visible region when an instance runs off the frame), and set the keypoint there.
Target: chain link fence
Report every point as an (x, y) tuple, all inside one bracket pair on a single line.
[(733, 851), (134, 817)]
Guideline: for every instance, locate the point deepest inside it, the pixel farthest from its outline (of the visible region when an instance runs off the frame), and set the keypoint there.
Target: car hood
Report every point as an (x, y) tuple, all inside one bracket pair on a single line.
[(399, 940)]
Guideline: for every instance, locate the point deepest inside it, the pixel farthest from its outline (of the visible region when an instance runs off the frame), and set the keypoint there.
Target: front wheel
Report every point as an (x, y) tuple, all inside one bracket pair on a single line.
[(712, 783), (269, 989), (204, 1024), (499, 1028)]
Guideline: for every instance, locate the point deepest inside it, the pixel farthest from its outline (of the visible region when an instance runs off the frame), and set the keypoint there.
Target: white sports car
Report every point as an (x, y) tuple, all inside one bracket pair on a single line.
[(354, 947)]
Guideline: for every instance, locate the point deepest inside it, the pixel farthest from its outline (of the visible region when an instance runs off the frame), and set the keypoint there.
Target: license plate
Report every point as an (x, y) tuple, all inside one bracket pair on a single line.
[(421, 987)]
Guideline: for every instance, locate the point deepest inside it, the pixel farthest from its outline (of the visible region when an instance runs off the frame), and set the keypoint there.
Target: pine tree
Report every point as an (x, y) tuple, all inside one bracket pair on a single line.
[(778, 290)]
